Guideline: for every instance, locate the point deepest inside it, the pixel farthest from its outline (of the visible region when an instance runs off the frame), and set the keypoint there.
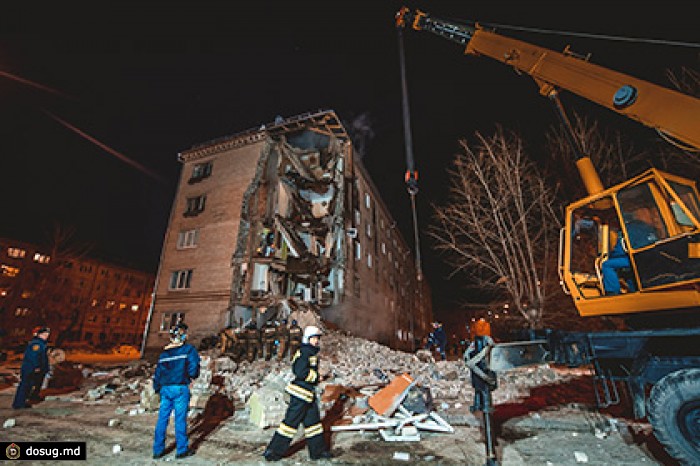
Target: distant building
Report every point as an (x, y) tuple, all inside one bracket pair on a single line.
[(80, 299), (278, 219)]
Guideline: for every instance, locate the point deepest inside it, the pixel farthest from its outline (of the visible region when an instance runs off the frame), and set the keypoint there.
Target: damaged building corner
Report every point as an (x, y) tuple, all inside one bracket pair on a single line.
[(282, 222)]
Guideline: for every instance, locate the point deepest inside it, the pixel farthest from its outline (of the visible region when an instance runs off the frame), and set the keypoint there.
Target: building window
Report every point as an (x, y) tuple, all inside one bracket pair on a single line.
[(368, 200), (122, 306), (9, 271), (134, 307), (180, 279), (383, 248), (22, 312), (187, 239), (369, 230), (369, 261), (16, 253), (42, 258), (109, 304), (169, 319), (357, 217), (26, 294), (4, 292), (195, 205), (358, 250), (200, 171), (88, 336)]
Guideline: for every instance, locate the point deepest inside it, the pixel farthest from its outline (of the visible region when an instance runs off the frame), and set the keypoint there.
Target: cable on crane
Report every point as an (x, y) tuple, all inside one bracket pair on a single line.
[(411, 177)]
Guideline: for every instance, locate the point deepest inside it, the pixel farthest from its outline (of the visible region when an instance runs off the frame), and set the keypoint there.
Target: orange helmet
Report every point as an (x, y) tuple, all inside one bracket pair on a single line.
[(482, 328)]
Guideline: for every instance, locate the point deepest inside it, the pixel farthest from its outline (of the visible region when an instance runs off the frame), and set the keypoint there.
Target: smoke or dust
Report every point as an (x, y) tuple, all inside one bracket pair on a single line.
[(365, 320), (360, 131)]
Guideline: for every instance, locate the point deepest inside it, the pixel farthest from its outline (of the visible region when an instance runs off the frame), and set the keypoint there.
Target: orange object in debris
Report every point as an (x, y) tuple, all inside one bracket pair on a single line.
[(481, 328), (386, 400)]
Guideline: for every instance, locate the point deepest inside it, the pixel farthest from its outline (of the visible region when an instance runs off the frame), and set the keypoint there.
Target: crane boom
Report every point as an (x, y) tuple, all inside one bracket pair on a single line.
[(666, 110)]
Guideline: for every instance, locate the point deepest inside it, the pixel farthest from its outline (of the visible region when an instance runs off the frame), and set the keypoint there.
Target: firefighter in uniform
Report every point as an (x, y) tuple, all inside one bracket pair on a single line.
[(269, 339), (282, 339), (35, 365), (252, 342), (295, 337), (303, 403)]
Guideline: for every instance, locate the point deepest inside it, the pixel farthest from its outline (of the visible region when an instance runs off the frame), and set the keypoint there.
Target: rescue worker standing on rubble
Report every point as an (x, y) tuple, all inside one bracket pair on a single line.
[(303, 403), (252, 341), (295, 338), (269, 339), (35, 365), (282, 339), (438, 338), (177, 366)]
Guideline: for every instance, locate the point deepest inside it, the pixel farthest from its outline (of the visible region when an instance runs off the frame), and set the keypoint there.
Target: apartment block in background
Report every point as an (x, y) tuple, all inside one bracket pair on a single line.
[(82, 300)]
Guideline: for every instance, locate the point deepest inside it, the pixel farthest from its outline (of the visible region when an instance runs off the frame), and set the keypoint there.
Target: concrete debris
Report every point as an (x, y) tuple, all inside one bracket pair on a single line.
[(8, 423), (402, 456), (113, 422), (116, 449), (580, 457)]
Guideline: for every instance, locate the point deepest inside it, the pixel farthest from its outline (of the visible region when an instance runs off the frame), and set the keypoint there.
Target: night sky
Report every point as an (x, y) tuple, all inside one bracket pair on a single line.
[(150, 79)]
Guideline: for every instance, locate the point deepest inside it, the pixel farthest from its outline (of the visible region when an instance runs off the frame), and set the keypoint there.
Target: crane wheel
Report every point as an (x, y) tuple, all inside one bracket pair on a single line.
[(674, 413)]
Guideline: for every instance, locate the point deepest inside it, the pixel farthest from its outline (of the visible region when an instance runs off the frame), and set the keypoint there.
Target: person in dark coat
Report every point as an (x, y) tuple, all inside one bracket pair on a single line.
[(303, 403), (35, 365), (177, 366), (438, 338)]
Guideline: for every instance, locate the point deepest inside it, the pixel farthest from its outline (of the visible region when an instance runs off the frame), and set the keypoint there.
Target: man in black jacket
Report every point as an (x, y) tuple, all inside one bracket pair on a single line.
[(177, 366), (35, 365), (303, 405)]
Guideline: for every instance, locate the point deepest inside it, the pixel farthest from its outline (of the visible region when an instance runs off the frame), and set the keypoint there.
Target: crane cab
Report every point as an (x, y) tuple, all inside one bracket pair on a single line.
[(634, 248)]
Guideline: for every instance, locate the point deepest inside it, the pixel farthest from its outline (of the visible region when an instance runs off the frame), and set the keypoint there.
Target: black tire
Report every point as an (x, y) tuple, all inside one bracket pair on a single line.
[(674, 413)]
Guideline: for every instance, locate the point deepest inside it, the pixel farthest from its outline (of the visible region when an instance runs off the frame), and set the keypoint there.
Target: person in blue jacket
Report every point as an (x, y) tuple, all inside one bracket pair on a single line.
[(177, 366), (640, 234), (35, 365), (438, 338), (303, 403)]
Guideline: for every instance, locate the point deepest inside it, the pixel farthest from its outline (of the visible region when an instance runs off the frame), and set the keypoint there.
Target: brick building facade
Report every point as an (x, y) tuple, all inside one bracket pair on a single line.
[(279, 217)]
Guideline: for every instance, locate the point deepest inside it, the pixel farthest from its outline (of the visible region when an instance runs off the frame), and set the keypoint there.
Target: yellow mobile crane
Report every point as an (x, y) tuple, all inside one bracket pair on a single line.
[(653, 217)]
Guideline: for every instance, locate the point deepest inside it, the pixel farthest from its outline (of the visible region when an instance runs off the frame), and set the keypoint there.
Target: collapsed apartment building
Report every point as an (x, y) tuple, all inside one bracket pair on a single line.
[(279, 221)]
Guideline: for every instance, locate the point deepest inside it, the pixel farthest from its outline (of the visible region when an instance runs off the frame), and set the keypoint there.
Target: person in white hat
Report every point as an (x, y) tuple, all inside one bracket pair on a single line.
[(303, 406)]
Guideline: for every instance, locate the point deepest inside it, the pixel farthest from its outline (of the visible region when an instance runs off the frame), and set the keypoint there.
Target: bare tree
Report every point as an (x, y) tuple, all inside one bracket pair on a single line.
[(500, 223)]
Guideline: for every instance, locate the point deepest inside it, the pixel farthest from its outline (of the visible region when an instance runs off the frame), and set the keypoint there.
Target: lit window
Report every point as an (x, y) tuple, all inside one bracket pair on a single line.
[(93, 303), (16, 253), (357, 218), (369, 260), (171, 318), (134, 307), (122, 306), (26, 294), (180, 279), (195, 205), (42, 258), (383, 248), (358, 250), (21, 312), (9, 271), (369, 230), (187, 239), (109, 304), (3, 292), (368, 200)]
